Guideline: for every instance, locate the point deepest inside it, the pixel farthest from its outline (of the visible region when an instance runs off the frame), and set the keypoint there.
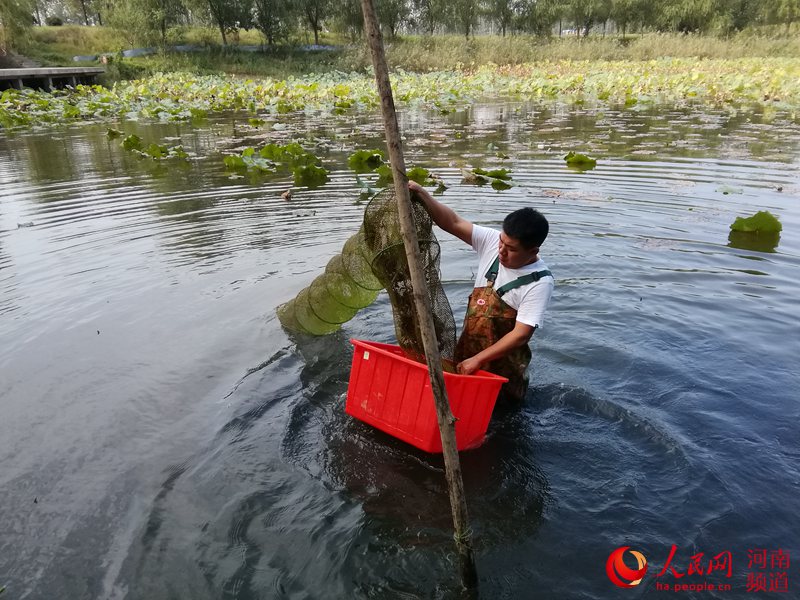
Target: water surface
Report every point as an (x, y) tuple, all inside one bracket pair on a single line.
[(163, 437)]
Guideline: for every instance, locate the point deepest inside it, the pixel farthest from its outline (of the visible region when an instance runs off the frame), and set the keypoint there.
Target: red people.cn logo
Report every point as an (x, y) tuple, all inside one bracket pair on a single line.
[(620, 574)]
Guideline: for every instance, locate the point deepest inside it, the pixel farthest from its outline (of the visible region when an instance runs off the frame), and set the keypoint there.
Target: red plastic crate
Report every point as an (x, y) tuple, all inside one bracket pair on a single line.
[(393, 393)]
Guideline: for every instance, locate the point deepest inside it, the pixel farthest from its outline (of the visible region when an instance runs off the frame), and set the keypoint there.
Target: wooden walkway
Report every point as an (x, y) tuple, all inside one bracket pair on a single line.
[(47, 78)]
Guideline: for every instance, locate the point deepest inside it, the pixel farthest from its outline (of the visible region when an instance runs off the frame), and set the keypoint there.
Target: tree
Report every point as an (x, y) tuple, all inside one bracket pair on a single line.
[(539, 16), (392, 14), (272, 18), (501, 13), (464, 13), (82, 7), (350, 19), (144, 21), (781, 11), (228, 15), (314, 13), (430, 14), (686, 16), (16, 17), (586, 13), (628, 12)]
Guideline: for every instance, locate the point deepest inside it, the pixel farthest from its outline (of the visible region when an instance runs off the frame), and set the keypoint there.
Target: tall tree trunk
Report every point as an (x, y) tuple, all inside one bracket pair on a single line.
[(99, 19), (85, 14), (222, 31), (163, 23)]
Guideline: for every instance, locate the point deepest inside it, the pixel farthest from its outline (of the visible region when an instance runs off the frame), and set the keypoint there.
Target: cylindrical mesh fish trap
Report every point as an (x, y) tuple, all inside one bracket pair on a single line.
[(372, 259)]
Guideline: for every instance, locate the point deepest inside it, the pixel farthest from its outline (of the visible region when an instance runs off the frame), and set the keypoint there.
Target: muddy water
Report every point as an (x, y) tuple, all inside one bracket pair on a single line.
[(163, 437)]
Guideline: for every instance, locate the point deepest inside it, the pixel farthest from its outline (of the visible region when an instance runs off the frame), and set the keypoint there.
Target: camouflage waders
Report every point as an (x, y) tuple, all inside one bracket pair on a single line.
[(487, 320)]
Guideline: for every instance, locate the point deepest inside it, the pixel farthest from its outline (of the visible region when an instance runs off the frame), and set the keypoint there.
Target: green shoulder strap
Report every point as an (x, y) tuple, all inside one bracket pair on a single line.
[(491, 274), (524, 280)]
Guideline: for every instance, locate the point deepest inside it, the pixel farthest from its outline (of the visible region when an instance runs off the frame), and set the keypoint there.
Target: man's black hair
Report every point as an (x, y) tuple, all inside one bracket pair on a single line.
[(527, 225)]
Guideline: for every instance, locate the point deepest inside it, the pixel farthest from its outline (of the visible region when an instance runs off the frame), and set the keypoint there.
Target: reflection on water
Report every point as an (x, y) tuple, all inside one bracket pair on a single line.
[(758, 242), (178, 443)]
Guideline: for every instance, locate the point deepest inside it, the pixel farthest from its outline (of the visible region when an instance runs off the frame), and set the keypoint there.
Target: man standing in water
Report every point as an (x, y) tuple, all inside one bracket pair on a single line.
[(512, 291)]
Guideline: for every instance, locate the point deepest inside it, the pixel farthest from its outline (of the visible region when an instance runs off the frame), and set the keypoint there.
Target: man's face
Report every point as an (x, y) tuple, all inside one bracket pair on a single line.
[(512, 253)]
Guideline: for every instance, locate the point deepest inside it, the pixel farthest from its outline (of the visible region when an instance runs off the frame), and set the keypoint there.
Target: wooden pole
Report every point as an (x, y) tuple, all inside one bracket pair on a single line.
[(447, 429)]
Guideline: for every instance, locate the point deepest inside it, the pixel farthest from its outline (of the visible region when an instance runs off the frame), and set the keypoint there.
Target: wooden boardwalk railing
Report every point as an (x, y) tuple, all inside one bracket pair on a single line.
[(47, 78)]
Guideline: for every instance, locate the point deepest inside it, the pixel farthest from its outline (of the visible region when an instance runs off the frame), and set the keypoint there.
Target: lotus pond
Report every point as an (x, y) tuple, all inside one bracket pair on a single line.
[(164, 437)]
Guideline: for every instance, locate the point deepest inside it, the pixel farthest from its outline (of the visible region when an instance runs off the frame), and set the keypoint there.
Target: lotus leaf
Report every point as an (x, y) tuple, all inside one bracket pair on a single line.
[(156, 151), (761, 222), (364, 161), (132, 142), (495, 173), (310, 175), (580, 161)]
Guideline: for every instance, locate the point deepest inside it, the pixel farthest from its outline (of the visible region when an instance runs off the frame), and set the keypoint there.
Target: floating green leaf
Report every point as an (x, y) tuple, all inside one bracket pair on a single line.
[(576, 160), (500, 185), (494, 173), (310, 175), (273, 158), (234, 162), (500, 179), (132, 142), (418, 174), (156, 151), (474, 178), (256, 122), (385, 176), (271, 152), (761, 222), (364, 161), (178, 152), (113, 133)]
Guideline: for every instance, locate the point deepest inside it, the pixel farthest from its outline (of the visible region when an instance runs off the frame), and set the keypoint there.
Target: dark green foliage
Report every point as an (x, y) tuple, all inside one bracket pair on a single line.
[(495, 173), (310, 175), (579, 161), (274, 158), (274, 19), (364, 161), (761, 222)]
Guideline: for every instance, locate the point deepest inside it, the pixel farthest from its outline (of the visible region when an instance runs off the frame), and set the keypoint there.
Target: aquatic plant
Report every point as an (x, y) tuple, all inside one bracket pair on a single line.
[(306, 167), (183, 97), (576, 160), (499, 179), (364, 161), (133, 143), (761, 222)]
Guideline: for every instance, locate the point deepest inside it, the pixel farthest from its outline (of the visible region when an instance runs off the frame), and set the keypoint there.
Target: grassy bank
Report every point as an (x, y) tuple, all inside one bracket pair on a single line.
[(57, 46)]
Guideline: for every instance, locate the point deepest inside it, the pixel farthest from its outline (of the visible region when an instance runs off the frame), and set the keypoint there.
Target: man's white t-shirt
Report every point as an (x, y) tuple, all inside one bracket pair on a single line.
[(531, 300)]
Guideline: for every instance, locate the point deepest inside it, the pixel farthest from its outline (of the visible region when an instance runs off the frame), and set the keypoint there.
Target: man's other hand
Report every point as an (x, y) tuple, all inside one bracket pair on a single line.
[(469, 366)]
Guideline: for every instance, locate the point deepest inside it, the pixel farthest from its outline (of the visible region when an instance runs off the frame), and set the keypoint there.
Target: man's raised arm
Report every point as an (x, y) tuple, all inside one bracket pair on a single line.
[(444, 216)]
